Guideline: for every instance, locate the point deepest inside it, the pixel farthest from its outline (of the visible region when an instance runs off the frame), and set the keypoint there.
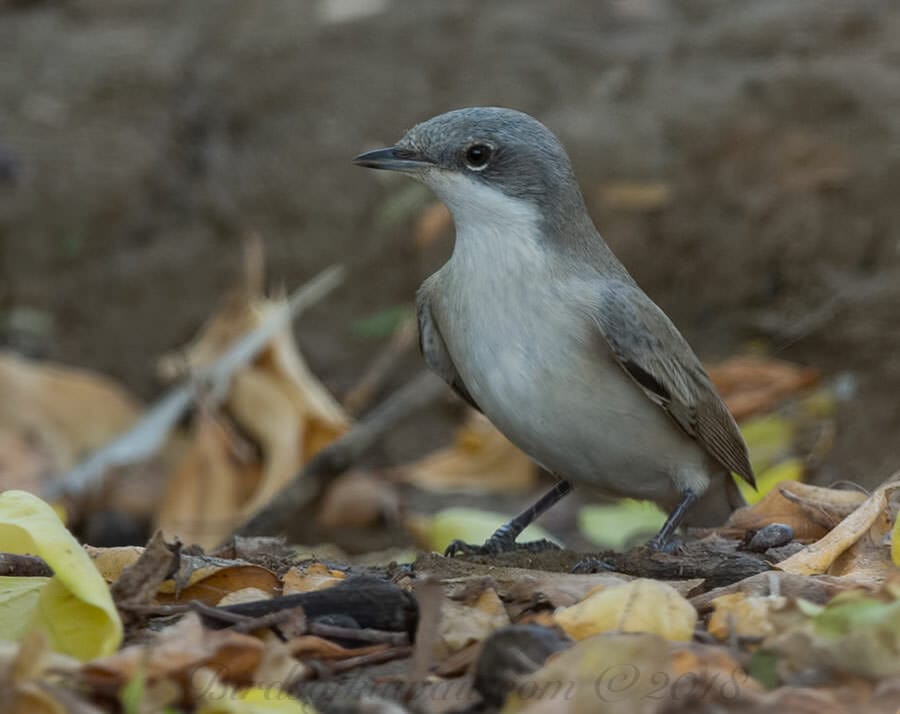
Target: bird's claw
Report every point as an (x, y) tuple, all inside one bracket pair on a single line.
[(672, 546), (495, 546)]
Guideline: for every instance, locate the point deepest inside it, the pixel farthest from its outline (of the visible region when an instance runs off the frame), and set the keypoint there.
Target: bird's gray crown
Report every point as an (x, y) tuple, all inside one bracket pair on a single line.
[(525, 159)]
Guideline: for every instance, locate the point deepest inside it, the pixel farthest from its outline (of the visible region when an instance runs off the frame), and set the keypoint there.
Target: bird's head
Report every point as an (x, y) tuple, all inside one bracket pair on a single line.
[(485, 158)]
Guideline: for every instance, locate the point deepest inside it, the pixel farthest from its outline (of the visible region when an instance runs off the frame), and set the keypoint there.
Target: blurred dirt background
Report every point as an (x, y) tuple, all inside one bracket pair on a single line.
[(741, 158)]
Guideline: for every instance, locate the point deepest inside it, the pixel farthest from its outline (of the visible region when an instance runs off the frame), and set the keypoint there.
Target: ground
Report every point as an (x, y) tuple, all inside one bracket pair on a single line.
[(742, 160)]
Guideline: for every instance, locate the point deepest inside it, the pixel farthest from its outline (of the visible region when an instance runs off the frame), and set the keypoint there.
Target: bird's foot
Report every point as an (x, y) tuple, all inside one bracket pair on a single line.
[(499, 544), (670, 546), (590, 565)]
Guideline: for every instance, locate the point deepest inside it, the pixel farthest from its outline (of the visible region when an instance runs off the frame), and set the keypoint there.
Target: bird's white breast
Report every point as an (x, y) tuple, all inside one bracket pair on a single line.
[(515, 319)]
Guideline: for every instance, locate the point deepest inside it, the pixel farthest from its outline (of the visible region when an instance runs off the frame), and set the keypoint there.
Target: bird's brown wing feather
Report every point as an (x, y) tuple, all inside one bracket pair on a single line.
[(651, 350)]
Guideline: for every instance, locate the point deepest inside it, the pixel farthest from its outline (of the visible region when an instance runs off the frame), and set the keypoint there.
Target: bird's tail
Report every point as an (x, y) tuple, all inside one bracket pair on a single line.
[(716, 505)]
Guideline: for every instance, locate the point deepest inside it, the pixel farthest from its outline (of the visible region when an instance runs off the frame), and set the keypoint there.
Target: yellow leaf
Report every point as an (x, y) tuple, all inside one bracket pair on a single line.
[(74, 607), (18, 599), (743, 615), (895, 542), (638, 606)]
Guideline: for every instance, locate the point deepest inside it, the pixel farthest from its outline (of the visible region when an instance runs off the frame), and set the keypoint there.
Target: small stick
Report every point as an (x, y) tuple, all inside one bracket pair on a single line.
[(395, 639), (147, 436), (371, 658), (24, 566), (284, 507)]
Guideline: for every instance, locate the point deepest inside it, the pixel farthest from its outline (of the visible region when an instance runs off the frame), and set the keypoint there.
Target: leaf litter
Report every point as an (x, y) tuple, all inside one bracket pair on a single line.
[(807, 621)]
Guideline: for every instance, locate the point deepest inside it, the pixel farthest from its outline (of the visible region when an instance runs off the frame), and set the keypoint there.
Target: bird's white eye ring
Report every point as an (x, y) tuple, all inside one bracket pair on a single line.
[(478, 156)]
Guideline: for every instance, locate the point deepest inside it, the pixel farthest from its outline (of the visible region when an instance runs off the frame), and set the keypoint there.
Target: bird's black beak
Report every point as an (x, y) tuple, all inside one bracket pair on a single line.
[(393, 158)]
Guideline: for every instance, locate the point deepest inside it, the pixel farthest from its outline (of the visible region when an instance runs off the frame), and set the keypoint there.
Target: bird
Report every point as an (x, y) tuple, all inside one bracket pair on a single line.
[(537, 324)]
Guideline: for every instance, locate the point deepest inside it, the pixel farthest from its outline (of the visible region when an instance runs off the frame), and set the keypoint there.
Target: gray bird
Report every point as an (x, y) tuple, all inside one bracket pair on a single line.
[(536, 323)]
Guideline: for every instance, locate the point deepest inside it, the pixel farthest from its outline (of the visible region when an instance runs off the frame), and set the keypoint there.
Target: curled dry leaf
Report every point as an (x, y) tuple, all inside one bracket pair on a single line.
[(199, 577), (638, 606), (276, 400), (811, 511), (821, 555), (480, 460), (43, 429), (177, 652), (306, 578)]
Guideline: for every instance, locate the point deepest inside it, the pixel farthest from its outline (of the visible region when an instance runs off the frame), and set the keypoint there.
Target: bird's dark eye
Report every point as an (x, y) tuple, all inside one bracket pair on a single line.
[(478, 155)]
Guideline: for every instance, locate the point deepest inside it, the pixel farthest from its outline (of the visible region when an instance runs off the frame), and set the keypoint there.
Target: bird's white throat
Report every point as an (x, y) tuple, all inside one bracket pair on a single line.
[(494, 231)]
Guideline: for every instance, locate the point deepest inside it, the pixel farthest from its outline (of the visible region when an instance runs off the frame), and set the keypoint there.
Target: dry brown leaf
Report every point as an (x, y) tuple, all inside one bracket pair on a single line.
[(462, 624), (480, 460), (45, 403), (200, 577), (260, 405), (306, 578), (177, 652), (741, 615), (202, 499), (774, 507), (23, 466), (754, 385), (315, 647), (276, 401), (358, 499), (28, 671), (818, 557), (211, 588)]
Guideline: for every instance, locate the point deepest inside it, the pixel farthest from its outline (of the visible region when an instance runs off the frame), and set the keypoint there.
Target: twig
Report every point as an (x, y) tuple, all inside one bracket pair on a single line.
[(396, 639), (285, 507), (147, 436), (371, 658), (24, 566), (379, 370)]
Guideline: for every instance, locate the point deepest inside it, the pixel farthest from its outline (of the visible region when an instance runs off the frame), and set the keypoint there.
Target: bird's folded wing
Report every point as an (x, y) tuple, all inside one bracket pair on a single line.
[(652, 351), (434, 350)]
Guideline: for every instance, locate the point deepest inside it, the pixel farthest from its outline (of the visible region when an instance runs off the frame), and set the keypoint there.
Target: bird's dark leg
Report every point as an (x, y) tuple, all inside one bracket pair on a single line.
[(504, 538), (658, 542)]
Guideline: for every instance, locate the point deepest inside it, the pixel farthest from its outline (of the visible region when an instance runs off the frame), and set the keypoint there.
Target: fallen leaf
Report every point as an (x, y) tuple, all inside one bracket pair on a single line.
[(480, 460), (74, 607), (774, 507), (177, 652), (462, 624), (613, 673), (46, 402), (641, 605), (204, 492), (741, 615), (818, 557), (306, 578)]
